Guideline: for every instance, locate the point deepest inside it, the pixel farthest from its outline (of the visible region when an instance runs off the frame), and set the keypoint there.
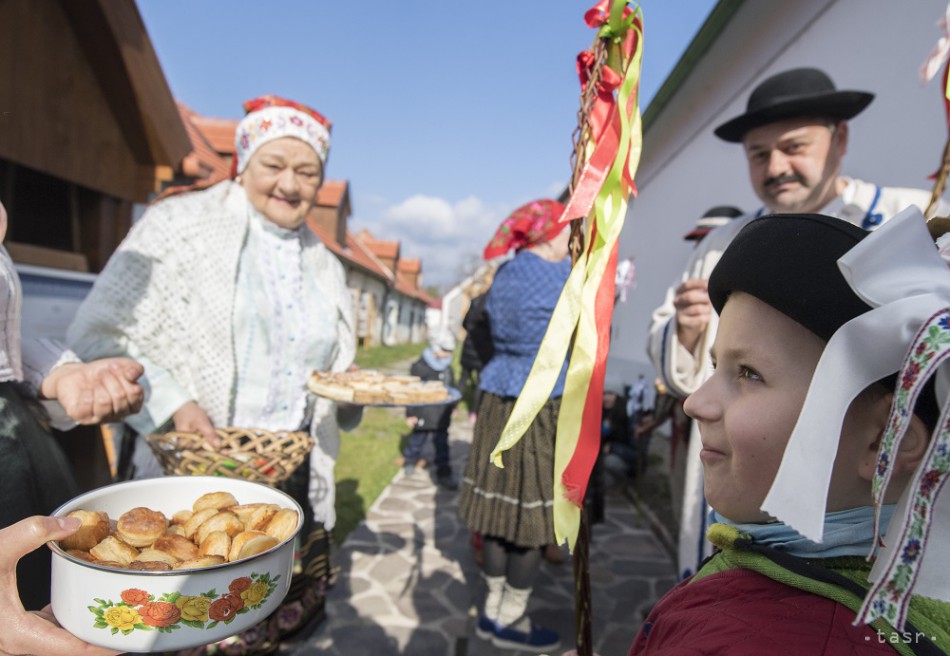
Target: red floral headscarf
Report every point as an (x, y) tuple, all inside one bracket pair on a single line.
[(530, 224)]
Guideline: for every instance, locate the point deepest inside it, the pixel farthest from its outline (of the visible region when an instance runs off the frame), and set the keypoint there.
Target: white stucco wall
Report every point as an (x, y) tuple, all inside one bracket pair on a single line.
[(869, 45)]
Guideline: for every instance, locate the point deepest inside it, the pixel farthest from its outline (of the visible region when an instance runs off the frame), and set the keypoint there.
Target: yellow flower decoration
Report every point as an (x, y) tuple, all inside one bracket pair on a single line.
[(123, 618), (255, 594), (193, 609)]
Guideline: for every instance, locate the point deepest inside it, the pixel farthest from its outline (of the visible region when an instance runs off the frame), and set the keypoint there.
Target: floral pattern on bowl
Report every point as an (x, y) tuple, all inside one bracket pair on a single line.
[(139, 610)]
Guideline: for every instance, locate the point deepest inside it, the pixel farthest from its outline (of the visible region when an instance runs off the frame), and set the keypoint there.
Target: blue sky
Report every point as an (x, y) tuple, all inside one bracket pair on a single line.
[(446, 115)]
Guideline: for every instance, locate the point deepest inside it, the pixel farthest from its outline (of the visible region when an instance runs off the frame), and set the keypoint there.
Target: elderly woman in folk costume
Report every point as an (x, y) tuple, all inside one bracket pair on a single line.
[(230, 301), (512, 508)]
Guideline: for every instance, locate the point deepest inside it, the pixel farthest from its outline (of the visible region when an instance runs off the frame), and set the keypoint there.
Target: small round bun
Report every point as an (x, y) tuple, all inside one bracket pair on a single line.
[(257, 544), (283, 524), (140, 527), (176, 546), (150, 566), (221, 521), (156, 555), (216, 543), (215, 500), (196, 520), (115, 550), (94, 529), (200, 561), (237, 543)]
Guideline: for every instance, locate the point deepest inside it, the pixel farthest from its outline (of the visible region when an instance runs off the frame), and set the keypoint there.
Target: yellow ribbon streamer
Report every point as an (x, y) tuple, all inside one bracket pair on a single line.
[(576, 309)]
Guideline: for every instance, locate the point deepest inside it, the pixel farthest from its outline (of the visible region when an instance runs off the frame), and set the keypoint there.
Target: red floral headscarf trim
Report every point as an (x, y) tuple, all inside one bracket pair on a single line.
[(530, 224)]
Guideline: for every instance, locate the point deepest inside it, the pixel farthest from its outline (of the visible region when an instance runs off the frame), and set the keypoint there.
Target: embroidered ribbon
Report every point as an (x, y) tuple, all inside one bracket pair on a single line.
[(913, 287), (895, 581), (586, 303)]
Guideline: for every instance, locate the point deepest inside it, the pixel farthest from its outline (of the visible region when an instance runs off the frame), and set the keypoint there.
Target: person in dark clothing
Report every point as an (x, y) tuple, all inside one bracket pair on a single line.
[(432, 421), (477, 349)]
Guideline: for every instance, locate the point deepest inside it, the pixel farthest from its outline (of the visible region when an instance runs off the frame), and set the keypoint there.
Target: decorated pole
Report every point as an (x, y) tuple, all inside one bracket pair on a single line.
[(607, 145)]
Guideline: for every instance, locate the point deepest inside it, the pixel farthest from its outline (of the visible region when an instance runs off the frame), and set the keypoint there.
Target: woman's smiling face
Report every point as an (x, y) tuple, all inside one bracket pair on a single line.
[(764, 362), (281, 180)]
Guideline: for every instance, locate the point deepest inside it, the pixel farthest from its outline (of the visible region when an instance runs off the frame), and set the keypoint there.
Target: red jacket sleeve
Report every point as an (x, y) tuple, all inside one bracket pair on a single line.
[(742, 613)]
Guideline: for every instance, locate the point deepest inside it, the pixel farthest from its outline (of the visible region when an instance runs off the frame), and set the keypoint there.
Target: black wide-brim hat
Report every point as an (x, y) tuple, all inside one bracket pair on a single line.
[(791, 94), (790, 261)]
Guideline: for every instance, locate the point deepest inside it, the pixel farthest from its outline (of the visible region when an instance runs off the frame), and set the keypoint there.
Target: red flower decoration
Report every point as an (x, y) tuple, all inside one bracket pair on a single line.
[(240, 585), (159, 613), (134, 596), (224, 608)]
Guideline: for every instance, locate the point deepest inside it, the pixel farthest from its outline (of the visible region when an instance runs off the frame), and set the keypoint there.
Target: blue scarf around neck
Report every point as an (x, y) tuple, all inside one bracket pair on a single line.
[(847, 533)]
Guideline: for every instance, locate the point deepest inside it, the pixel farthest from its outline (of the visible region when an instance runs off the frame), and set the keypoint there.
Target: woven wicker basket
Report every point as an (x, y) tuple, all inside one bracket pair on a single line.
[(251, 454)]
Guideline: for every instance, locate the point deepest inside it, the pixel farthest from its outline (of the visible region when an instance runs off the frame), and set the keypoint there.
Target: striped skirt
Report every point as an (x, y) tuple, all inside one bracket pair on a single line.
[(515, 503)]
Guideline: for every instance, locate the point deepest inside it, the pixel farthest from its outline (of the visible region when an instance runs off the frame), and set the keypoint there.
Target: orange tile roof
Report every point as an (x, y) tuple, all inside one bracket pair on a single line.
[(203, 163), (410, 265), (331, 193), (380, 247), (354, 252), (219, 132)]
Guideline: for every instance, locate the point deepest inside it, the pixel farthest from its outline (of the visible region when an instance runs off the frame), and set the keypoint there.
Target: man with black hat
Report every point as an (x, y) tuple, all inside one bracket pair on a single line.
[(795, 134)]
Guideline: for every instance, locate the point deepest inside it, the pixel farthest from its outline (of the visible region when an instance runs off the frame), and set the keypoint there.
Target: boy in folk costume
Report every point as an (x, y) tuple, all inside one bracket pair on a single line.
[(812, 461), (795, 135)]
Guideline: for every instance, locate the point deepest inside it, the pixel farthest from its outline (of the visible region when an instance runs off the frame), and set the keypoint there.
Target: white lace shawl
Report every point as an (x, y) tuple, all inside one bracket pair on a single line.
[(168, 291)]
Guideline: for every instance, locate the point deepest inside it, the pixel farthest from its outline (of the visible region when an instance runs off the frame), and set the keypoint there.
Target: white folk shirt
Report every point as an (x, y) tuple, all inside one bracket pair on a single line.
[(282, 320)]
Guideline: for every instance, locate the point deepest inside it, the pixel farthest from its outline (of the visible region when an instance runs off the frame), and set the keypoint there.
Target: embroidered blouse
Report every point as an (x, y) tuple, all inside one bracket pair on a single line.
[(520, 303)]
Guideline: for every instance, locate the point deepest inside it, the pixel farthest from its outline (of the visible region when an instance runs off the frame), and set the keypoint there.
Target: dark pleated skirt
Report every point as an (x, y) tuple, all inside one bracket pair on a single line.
[(515, 503)]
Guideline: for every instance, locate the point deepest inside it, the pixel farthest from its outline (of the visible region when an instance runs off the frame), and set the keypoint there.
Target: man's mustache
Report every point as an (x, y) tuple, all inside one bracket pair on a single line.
[(782, 179)]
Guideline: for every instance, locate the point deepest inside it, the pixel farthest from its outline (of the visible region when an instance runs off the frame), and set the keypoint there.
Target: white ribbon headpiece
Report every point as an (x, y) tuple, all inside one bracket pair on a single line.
[(899, 273)]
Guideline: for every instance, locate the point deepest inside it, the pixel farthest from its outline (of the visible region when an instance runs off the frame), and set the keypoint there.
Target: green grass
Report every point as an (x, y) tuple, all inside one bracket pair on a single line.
[(366, 465), (376, 357)]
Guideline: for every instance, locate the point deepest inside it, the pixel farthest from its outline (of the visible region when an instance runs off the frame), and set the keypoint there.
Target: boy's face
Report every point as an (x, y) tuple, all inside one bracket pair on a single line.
[(747, 409)]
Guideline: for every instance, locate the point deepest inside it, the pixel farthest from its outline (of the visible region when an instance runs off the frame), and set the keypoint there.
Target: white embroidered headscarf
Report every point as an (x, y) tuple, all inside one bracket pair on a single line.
[(269, 118)]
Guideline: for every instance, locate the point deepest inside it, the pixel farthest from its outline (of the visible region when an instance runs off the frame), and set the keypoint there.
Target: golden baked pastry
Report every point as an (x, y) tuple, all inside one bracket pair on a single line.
[(216, 543), (140, 527), (257, 544), (155, 555), (215, 531), (367, 387), (81, 555), (244, 511), (179, 547), (282, 525), (238, 541), (112, 548), (216, 500), (196, 520), (94, 529), (221, 521), (175, 529), (200, 561)]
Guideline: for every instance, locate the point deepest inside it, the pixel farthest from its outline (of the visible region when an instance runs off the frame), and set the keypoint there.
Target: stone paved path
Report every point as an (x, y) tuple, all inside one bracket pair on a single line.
[(408, 575)]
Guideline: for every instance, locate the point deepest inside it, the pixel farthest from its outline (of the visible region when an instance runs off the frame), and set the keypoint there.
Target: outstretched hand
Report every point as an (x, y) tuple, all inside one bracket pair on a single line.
[(96, 392), (37, 633)]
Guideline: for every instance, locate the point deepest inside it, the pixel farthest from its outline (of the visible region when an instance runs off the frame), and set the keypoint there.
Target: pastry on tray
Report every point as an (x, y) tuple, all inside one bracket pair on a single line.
[(369, 387)]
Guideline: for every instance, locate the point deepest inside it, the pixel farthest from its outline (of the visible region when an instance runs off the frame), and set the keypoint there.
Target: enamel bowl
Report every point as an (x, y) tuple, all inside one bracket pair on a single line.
[(143, 611)]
